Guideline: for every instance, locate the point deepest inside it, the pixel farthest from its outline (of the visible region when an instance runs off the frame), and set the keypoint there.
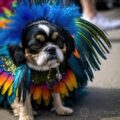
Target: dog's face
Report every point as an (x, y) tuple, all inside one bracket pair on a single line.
[(46, 45)]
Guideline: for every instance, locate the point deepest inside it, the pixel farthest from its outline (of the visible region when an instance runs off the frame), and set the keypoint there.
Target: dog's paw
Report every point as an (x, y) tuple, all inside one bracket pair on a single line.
[(36, 113), (16, 111), (16, 107), (26, 117), (64, 111)]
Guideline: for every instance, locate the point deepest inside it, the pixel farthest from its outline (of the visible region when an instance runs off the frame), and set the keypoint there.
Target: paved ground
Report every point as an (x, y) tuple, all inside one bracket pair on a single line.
[(102, 101)]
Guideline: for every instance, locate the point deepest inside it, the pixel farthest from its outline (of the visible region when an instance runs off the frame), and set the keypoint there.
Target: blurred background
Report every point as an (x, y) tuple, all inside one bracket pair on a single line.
[(105, 4), (108, 4)]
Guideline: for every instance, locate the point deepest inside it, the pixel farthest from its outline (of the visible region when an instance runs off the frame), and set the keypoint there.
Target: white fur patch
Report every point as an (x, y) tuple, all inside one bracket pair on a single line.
[(45, 28), (59, 54), (42, 58), (43, 68)]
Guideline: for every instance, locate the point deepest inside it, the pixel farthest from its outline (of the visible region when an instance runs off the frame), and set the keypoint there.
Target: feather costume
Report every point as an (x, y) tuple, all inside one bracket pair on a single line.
[(5, 4), (90, 43)]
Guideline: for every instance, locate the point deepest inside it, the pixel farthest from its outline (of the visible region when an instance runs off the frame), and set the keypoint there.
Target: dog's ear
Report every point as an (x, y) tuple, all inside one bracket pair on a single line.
[(69, 41), (17, 54)]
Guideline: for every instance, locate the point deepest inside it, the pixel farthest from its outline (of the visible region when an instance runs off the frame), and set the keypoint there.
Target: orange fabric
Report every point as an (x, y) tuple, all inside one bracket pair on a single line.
[(76, 53), (7, 84), (42, 92), (3, 23), (3, 78), (46, 95), (37, 93)]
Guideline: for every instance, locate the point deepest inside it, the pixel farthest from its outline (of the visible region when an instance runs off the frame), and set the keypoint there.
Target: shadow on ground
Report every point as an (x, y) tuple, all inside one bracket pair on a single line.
[(96, 104), (115, 40)]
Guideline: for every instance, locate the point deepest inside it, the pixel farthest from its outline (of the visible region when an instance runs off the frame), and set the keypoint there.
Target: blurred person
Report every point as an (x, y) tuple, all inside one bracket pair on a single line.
[(90, 14)]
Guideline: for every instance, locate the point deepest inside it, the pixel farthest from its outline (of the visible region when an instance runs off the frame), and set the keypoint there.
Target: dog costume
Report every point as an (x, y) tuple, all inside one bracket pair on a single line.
[(18, 79)]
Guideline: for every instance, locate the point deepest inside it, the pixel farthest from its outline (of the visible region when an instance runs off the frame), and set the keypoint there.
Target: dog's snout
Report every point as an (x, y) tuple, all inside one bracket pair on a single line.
[(51, 50)]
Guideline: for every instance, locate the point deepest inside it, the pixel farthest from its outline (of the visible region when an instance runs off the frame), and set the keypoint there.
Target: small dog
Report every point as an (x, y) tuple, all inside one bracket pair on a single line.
[(44, 47)]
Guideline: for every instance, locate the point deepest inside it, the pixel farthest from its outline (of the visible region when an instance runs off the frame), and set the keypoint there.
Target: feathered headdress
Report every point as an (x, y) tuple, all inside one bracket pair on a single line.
[(26, 14), (90, 42)]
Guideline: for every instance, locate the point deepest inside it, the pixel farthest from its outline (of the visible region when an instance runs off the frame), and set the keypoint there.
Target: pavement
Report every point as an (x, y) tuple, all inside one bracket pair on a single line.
[(102, 101)]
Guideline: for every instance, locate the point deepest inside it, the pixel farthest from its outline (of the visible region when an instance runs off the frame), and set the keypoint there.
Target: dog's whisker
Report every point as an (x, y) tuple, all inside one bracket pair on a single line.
[(48, 76), (58, 75)]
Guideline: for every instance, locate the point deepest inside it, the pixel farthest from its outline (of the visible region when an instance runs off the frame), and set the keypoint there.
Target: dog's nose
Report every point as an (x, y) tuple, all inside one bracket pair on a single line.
[(51, 50)]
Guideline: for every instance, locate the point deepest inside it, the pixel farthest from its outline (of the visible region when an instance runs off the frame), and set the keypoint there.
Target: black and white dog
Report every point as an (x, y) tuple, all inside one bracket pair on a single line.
[(44, 46)]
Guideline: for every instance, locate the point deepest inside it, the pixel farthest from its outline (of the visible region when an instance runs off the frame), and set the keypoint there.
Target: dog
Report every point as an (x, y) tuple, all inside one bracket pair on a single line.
[(44, 47)]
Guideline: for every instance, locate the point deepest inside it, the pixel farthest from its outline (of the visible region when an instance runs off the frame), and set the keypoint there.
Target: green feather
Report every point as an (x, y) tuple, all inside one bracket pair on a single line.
[(96, 31)]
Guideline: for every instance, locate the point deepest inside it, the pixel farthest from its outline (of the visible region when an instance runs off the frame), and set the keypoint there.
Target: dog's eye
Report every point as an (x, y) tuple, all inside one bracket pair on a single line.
[(34, 46), (55, 35), (40, 38), (34, 49)]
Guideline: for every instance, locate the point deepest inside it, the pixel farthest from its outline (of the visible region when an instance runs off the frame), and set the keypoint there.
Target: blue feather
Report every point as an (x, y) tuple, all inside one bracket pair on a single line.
[(1, 97), (76, 67), (25, 15), (4, 51), (19, 76), (86, 52), (87, 68), (15, 85)]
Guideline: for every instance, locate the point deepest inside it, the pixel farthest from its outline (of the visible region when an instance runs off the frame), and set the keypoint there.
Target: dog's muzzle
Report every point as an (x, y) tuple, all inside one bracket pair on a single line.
[(52, 52), (50, 56)]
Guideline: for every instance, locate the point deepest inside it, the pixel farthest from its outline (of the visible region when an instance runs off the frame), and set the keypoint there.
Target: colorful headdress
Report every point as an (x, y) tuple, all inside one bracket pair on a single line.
[(5, 4), (90, 42)]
